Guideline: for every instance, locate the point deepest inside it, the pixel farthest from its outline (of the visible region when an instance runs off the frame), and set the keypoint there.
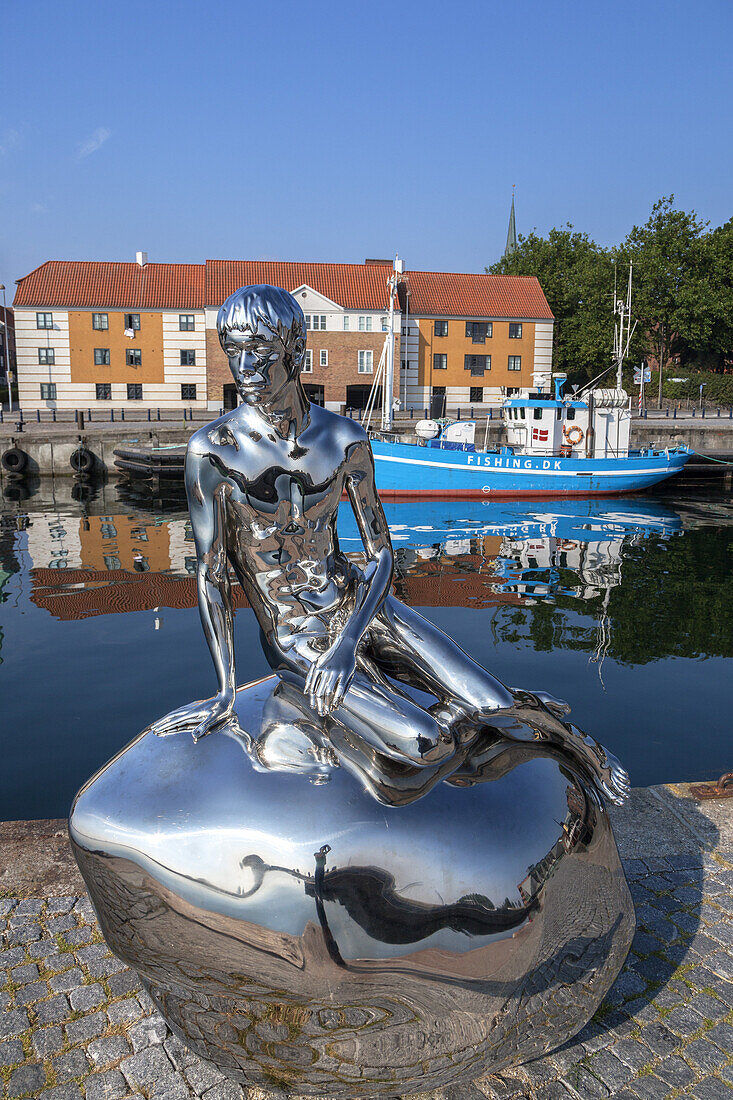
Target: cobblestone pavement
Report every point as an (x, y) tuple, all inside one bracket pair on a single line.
[(75, 1022)]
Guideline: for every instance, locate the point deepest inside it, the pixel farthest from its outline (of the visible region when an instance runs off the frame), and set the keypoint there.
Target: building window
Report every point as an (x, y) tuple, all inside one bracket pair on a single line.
[(46, 356), (315, 321), (104, 391), (48, 391), (188, 391), (186, 322), (515, 362), (324, 358), (133, 357), (101, 357), (366, 361), (365, 323), (476, 394), (515, 330), (188, 358), (441, 328), (479, 330), (440, 361), (132, 320), (134, 391), (44, 320), (308, 362), (385, 324), (477, 364), (100, 321), (346, 323)]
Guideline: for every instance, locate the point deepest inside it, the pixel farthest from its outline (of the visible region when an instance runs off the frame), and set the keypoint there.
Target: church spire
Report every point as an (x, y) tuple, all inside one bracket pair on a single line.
[(511, 237)]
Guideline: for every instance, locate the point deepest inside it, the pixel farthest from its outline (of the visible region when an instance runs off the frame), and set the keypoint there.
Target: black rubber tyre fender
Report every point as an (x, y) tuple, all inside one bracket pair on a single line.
[(82, 460), (14, 460)]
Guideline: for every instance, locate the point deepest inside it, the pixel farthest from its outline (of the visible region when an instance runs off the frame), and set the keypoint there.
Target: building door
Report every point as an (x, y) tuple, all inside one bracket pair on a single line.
[(314, 393), (357, 397), (437, 402), (230, 397)]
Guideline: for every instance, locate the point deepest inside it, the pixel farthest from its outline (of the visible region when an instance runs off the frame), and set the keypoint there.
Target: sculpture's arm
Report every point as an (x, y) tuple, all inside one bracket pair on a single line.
[(330, 676), (206, 498), (206, 505)]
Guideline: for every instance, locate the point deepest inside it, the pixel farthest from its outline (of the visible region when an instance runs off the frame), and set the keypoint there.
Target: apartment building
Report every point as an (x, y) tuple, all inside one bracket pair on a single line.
[(111, 336), (139, 335), (346, 314), (470, 339)]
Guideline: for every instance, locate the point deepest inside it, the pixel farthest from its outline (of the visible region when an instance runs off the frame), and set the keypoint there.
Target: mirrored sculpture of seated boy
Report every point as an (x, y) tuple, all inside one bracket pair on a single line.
[(264, 483)]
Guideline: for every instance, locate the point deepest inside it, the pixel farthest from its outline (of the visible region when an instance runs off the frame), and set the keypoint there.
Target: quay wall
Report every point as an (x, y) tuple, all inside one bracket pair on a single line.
[(49, 447)]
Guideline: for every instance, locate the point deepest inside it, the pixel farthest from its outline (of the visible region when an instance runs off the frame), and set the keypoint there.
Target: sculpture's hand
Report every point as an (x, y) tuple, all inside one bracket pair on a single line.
[(329, 677), (197, 718)]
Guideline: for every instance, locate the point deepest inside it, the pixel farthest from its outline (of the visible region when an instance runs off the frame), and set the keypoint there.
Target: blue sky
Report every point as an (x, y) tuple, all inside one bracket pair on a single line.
[(336, 131)]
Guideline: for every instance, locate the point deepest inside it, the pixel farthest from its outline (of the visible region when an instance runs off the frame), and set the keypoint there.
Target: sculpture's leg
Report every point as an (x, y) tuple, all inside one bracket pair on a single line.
[(409, 646), (382, 716), (413, 649)]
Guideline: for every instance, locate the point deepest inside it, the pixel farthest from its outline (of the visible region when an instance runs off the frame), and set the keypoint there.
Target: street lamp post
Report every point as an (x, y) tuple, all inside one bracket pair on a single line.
[(7, 351)]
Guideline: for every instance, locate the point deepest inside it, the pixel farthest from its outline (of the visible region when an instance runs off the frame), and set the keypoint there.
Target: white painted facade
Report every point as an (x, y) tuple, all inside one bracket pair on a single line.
[(31, 373)]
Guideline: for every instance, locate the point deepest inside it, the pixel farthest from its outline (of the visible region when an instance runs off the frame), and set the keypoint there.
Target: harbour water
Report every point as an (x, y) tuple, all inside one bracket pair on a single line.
[(621, 606)]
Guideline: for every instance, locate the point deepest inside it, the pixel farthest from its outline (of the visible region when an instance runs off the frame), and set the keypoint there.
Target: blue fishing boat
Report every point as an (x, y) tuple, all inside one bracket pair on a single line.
[(556, 445)]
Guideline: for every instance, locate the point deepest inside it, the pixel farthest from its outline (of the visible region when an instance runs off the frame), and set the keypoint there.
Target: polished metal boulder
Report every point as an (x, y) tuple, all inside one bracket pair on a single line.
[(331, 923)]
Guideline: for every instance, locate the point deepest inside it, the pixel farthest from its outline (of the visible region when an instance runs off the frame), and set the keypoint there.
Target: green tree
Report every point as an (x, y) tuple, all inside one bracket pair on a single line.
[(673, 302), (577, 278)]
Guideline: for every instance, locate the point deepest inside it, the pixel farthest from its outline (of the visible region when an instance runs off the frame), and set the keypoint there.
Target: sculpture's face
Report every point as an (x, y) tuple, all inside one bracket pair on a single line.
[(261, 364)]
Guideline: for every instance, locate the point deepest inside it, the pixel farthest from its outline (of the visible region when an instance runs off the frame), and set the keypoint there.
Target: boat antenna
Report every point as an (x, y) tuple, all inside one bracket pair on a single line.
[(623, 330)]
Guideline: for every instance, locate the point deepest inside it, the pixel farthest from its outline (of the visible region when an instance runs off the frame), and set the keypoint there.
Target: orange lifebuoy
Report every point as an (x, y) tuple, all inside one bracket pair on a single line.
[(573, 434)]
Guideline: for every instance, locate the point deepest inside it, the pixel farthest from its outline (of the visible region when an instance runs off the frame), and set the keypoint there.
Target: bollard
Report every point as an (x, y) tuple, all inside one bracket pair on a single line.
[(718, 412), (112, 415), (158, 416), (38, 416), (2, 420), (412, 412), (471, 413), (666, 412), (148, 415), (703, 412), (674, 413), (122, 414), (491, 414), (426, 414), (53, 411), (459, 412)]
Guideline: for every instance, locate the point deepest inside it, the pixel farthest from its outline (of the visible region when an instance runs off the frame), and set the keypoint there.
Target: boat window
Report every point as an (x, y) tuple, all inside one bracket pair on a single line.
[(537, 414), (571, 414), (559, 413)]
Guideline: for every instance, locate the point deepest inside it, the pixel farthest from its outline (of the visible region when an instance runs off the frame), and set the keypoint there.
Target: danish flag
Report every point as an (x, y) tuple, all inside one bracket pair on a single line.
[(539, 435)]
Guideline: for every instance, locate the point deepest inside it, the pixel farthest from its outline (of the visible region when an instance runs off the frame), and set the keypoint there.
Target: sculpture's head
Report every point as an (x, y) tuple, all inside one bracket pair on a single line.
[(262, 331)]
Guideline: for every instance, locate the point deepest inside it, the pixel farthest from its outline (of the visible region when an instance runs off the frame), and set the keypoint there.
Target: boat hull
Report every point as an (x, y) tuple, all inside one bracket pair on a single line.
[(404, 470)]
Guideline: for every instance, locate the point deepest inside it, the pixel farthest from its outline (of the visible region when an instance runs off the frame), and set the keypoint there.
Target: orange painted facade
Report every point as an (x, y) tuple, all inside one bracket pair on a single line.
[(456, 345), (122, 542), (148, 340)]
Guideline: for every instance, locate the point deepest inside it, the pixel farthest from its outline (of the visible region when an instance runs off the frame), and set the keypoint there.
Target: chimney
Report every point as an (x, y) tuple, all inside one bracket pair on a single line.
[(141, 258)]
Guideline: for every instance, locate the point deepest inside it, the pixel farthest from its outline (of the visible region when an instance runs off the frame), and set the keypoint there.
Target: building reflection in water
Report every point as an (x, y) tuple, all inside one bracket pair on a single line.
[(113, 554)]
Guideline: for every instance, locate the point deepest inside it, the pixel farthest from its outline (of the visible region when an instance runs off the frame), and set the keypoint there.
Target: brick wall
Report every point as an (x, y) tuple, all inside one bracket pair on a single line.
[(342, 369)]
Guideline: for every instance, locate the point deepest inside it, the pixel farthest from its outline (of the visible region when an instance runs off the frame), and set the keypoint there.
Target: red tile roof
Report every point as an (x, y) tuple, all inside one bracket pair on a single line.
[(86, 284), (448, 294), (91, 284), (352, 286)]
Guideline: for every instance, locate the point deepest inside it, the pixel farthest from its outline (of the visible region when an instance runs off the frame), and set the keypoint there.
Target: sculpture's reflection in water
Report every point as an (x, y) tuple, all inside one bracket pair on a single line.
[(381, 954)]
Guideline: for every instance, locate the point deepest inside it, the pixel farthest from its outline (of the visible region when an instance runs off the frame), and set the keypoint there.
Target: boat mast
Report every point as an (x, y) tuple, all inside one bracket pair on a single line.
[(623, 330), (387, 396)]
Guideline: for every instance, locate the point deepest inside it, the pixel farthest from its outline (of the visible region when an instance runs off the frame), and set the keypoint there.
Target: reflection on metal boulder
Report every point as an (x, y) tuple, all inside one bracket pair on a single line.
[(319, 918)]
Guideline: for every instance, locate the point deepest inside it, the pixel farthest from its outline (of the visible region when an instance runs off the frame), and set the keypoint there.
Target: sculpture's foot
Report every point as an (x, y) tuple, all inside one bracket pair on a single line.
[(535, 718)]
